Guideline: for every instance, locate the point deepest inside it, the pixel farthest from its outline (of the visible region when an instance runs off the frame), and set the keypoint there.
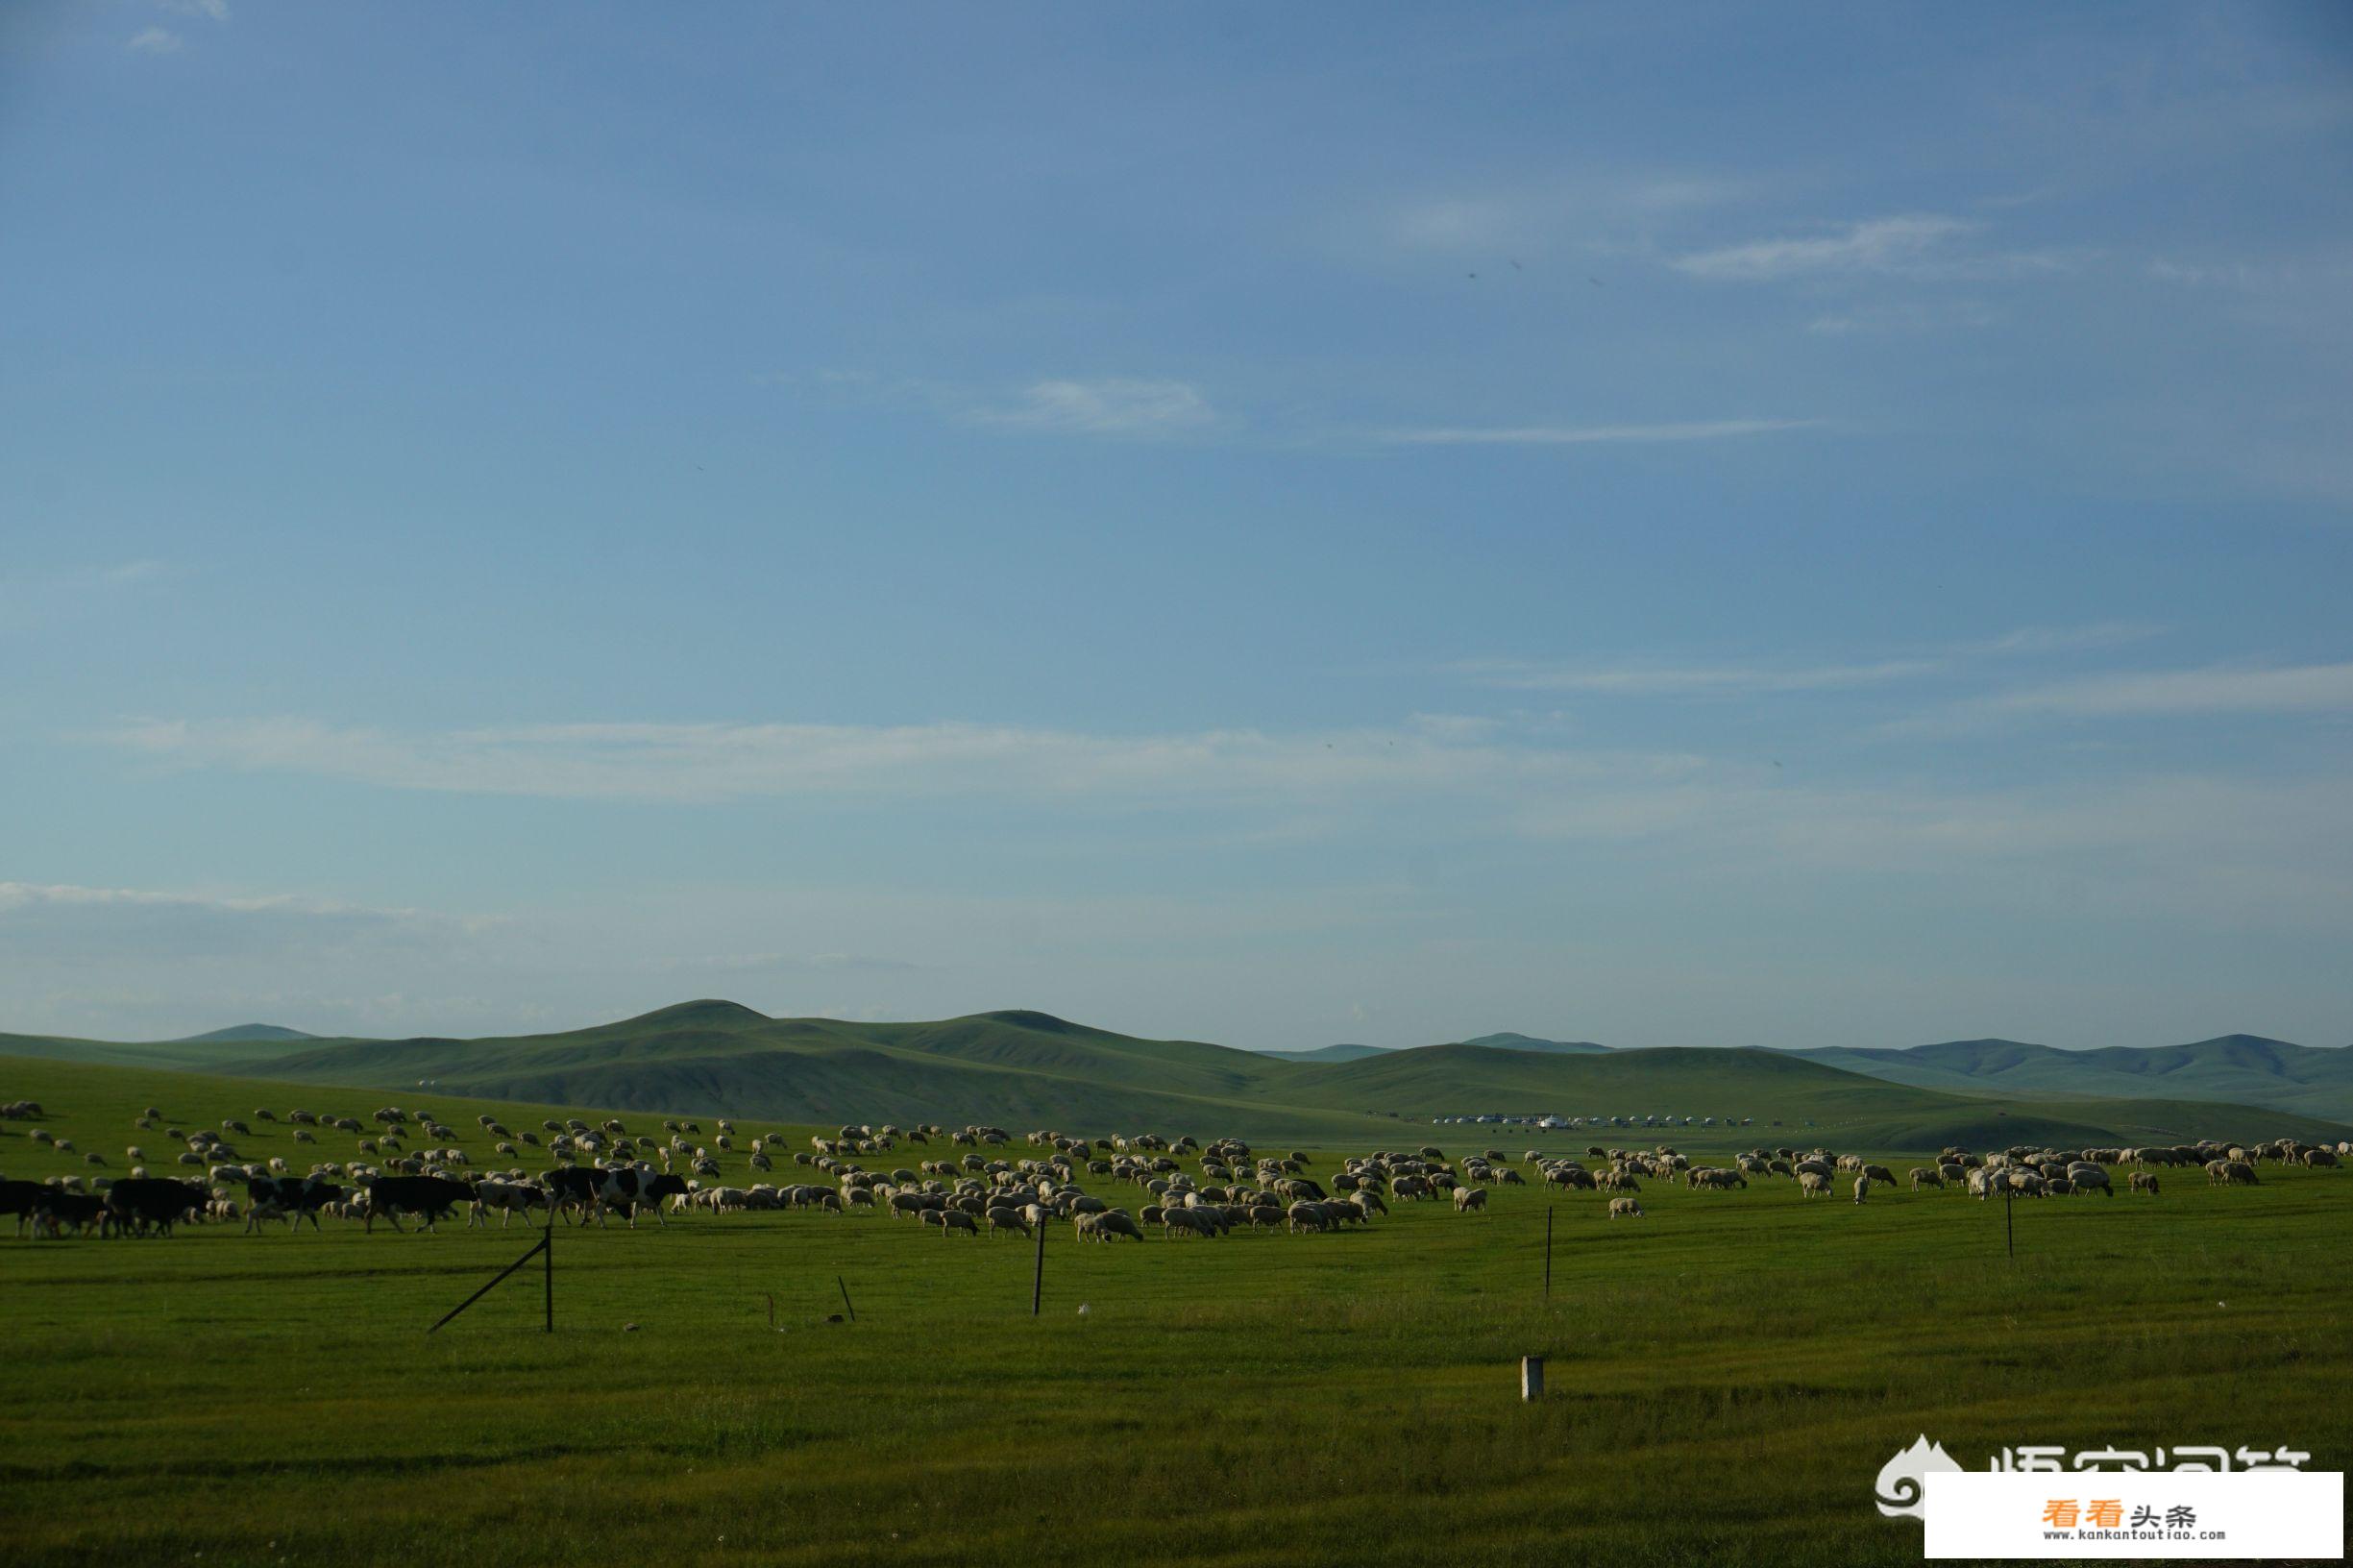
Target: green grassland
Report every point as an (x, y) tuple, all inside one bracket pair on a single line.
[(1023, 1069), (1726, 1374)]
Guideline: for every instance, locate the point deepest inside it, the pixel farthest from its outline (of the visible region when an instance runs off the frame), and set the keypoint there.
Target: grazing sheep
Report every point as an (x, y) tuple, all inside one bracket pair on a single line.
[(1625, 1209), (1104, 1224), (2144, 1182), (1923, 1176), (1813, 1183), (1006, 1219), (1470, 1200), (1862, 1187)]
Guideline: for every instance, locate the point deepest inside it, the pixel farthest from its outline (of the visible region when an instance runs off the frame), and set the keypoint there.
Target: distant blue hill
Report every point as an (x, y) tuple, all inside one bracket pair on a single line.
[(1529, 1043), (2246, 1069), (1495, 1042), (240, 1034)]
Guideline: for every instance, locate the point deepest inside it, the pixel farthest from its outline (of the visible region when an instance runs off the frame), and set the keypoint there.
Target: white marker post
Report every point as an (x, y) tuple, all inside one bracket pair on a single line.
[(1531, 1377)]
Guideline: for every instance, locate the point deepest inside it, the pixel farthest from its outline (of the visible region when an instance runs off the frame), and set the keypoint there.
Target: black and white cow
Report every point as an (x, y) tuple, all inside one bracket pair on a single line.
[(598, 1189), (507, 1198), (292, 1199)]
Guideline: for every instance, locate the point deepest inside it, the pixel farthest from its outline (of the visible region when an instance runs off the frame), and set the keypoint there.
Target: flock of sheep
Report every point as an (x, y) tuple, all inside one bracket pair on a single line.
[(973, 1182)]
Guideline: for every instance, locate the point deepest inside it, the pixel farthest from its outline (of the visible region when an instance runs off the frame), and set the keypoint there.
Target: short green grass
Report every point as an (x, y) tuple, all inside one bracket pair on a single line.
[(1726, 1374)]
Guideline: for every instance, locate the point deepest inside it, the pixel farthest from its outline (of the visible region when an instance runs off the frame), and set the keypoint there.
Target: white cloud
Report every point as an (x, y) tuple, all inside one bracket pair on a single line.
[(55, 921), (1573, 435), (33, 600), (2097, 634), (705, 762), (155, 41), (788, 963), (1886, 318), (1534, 217), (1923, 246), (1756, 679), (2219, 690), (1114, 405), (1877, 245), (1693, 680), (1104, 405), (216, 10)]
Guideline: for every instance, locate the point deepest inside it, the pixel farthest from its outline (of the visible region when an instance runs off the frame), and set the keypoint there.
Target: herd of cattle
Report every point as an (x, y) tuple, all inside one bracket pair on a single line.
[(602, 1170)]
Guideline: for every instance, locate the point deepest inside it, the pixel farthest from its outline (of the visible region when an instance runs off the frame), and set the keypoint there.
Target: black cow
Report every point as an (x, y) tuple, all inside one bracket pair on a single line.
[(20, 1198), (288, 1197), (434, 1197), (138, 1204), (60, 1211), (625, 1187)]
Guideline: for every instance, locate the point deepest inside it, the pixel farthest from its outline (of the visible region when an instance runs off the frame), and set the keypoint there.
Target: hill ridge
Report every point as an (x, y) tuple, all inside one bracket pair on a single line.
[(1026, 1068)]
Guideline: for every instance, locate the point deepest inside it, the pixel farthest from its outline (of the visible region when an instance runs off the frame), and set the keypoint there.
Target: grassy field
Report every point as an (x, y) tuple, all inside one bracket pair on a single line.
[(1726, 1374)]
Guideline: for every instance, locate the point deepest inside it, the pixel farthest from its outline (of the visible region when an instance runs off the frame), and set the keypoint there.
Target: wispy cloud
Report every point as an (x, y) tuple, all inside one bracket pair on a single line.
[(1692, 680), (1114, 406), (788, 964), (1124, 406), (155, 41), (1899, 317), (36, 598), (215, 11), (2218, 690), (1877, 245), (1759, 678), (2097, 634), (1917, 246), (52, 921), (1532, 218), (706, 762), (1578, 436)]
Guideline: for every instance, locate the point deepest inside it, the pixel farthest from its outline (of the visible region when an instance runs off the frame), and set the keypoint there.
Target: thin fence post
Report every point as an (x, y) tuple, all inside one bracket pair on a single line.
[(845, 1306), (547, 1251), (539, 1246), (2009, 1230), (1036, 1283), (1548, 1250)]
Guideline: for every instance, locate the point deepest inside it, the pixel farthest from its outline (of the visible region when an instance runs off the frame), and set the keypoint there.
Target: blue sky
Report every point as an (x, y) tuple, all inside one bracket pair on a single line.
[(1695, 525)]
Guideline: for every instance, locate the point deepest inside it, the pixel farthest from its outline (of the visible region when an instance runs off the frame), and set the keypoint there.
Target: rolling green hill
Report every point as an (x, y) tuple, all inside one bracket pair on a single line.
[(2246, 1069), (1024, 1070), (197, 1053), (1019, 1068)]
